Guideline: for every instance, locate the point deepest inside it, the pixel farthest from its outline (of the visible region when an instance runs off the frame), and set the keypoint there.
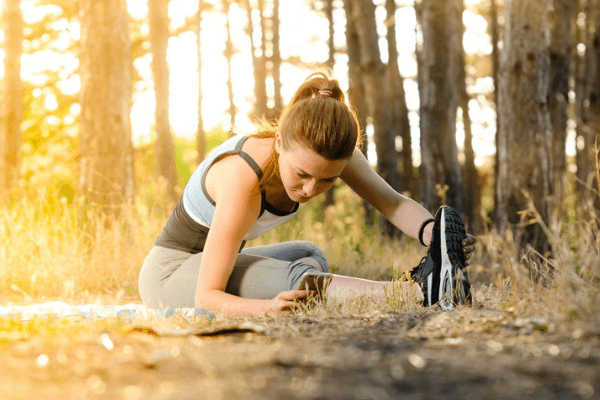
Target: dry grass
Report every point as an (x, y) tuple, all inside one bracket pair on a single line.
[(46, 254)]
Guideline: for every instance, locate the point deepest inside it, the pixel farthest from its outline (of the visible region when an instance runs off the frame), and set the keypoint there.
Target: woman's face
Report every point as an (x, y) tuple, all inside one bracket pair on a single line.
[(304, 173)]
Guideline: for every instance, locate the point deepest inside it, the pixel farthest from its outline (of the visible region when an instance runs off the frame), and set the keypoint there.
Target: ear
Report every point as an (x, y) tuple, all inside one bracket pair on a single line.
[(278, 142)]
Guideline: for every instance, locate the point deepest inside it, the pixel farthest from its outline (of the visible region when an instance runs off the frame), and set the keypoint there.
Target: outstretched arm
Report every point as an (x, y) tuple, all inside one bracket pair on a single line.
[(405, 213)]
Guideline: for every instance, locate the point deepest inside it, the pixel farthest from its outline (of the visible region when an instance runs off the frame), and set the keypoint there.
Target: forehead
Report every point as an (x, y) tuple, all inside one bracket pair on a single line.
[(306, 160)]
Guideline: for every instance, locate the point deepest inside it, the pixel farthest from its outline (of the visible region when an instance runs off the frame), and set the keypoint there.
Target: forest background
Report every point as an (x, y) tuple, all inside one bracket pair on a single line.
[(492, 107)]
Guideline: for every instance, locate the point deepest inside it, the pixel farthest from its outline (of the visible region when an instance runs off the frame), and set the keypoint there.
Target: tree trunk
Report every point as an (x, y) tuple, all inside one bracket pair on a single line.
[(200, 135), (329, 199), (276, 62), (11, 107), (399, 109), (258, 61), (356, 92), (106, 165), (377, 98), (525, 137), (495, 36), (441, 173), (158, 13), (472, 184), (561, 53), (229, 55), (589, 125)]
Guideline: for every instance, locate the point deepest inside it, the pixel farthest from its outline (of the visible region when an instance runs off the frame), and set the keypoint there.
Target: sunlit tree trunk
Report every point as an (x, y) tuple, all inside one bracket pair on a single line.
[(276, 60), (588, 139), (106, 165), (441, 174), (11, 96), (258, 58), (200, 136), (158, 13), (229, 55), (400, 122), (377, 97), (495, 36), (329, 199), (356, 92), (525, 137), (561, 54), (473, 193)]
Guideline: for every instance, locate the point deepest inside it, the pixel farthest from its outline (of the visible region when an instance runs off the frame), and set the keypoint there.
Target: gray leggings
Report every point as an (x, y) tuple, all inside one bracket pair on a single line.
[(169, 277)]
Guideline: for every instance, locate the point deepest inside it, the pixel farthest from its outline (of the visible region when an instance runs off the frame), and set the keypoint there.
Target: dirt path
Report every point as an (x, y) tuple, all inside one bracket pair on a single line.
[(466, 354)]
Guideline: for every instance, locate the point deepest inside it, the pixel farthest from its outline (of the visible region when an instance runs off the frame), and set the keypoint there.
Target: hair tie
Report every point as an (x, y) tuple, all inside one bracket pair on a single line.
[(422, 229), (325, 92)]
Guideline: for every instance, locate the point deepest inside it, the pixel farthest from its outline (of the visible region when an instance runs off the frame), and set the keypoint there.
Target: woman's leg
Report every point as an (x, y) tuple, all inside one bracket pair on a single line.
[(169, 277), (346, 287), (291, 251)]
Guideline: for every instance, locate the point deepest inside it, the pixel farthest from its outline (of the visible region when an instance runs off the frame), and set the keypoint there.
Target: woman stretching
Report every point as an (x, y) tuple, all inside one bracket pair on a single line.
[(250, 184)]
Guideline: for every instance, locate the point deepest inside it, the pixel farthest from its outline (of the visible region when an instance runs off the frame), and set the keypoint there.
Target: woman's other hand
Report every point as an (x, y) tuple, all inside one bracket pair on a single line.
[(284, 301), (468, 248)]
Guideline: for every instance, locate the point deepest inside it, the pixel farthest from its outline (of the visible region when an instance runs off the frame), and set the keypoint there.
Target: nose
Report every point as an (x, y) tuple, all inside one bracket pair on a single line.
[(310, 188)]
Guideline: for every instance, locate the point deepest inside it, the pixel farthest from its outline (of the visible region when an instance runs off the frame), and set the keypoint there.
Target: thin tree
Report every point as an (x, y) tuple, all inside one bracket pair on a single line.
[(258, 59), (105, 67), (588, 138), (229, 55), (401, 123), (561, 55), (356, 92), (473, 194), (376, 96), (439, 76), (329, 199), (495, 36), (276, 61), (11, 95), (200, 135), (158, 13), (525, 182)]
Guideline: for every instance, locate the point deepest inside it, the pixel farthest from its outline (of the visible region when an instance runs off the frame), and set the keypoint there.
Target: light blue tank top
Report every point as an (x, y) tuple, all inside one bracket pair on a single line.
[(201, 208)]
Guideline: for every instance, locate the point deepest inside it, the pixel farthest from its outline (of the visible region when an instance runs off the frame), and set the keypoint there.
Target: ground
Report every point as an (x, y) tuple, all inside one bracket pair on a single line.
[(469, 353)]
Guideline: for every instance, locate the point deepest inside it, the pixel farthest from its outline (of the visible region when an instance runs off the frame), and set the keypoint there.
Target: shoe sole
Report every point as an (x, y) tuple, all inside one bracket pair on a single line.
[(452, 289)]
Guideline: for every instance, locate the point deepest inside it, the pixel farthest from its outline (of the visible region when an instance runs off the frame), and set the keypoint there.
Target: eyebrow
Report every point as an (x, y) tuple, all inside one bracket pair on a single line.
[(302, 172)]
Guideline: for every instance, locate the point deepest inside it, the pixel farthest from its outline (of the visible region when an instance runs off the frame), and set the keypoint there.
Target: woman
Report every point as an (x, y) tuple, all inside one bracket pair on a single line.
[(251, 184)]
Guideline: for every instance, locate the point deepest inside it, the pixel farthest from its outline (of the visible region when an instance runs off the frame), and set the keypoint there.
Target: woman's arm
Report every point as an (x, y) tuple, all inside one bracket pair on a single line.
[(405, 213), (238, 203)]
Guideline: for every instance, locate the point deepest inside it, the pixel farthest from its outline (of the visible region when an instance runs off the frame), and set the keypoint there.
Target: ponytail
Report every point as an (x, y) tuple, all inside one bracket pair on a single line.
[(318, 118)]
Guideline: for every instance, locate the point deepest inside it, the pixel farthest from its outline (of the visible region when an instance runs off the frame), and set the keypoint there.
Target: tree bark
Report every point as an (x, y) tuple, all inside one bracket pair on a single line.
[(329, 199), (441, 173), (356, 92), (561, 54), (400, 120), (525, 137), (276, 61), (495, 36), (258, 60), (106, 165), (229, 55), (200, 135), (588, 139), (158, 13), (472, 184), (11, 107), (377, 98)]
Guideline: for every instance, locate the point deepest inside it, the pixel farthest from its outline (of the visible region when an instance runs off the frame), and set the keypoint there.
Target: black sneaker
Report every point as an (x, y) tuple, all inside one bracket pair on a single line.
[(441, 273)]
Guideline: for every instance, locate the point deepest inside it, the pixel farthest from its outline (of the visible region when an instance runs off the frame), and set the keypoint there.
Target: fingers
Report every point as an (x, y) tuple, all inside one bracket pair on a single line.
[(292, 295), (468, 248)]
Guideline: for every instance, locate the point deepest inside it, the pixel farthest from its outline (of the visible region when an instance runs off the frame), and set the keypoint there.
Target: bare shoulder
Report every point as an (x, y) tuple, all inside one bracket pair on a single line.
[(232, 176)]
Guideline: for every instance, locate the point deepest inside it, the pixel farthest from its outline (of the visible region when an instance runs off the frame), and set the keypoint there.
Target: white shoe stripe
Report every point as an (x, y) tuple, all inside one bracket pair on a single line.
[(446, 270)]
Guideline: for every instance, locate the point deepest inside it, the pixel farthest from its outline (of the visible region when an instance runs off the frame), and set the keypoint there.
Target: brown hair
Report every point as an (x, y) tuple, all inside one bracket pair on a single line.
[(317, 117)]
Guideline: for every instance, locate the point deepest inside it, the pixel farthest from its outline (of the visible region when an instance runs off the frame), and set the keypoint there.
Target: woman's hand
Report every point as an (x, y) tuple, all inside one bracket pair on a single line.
[(284, 301), (468, 248)]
